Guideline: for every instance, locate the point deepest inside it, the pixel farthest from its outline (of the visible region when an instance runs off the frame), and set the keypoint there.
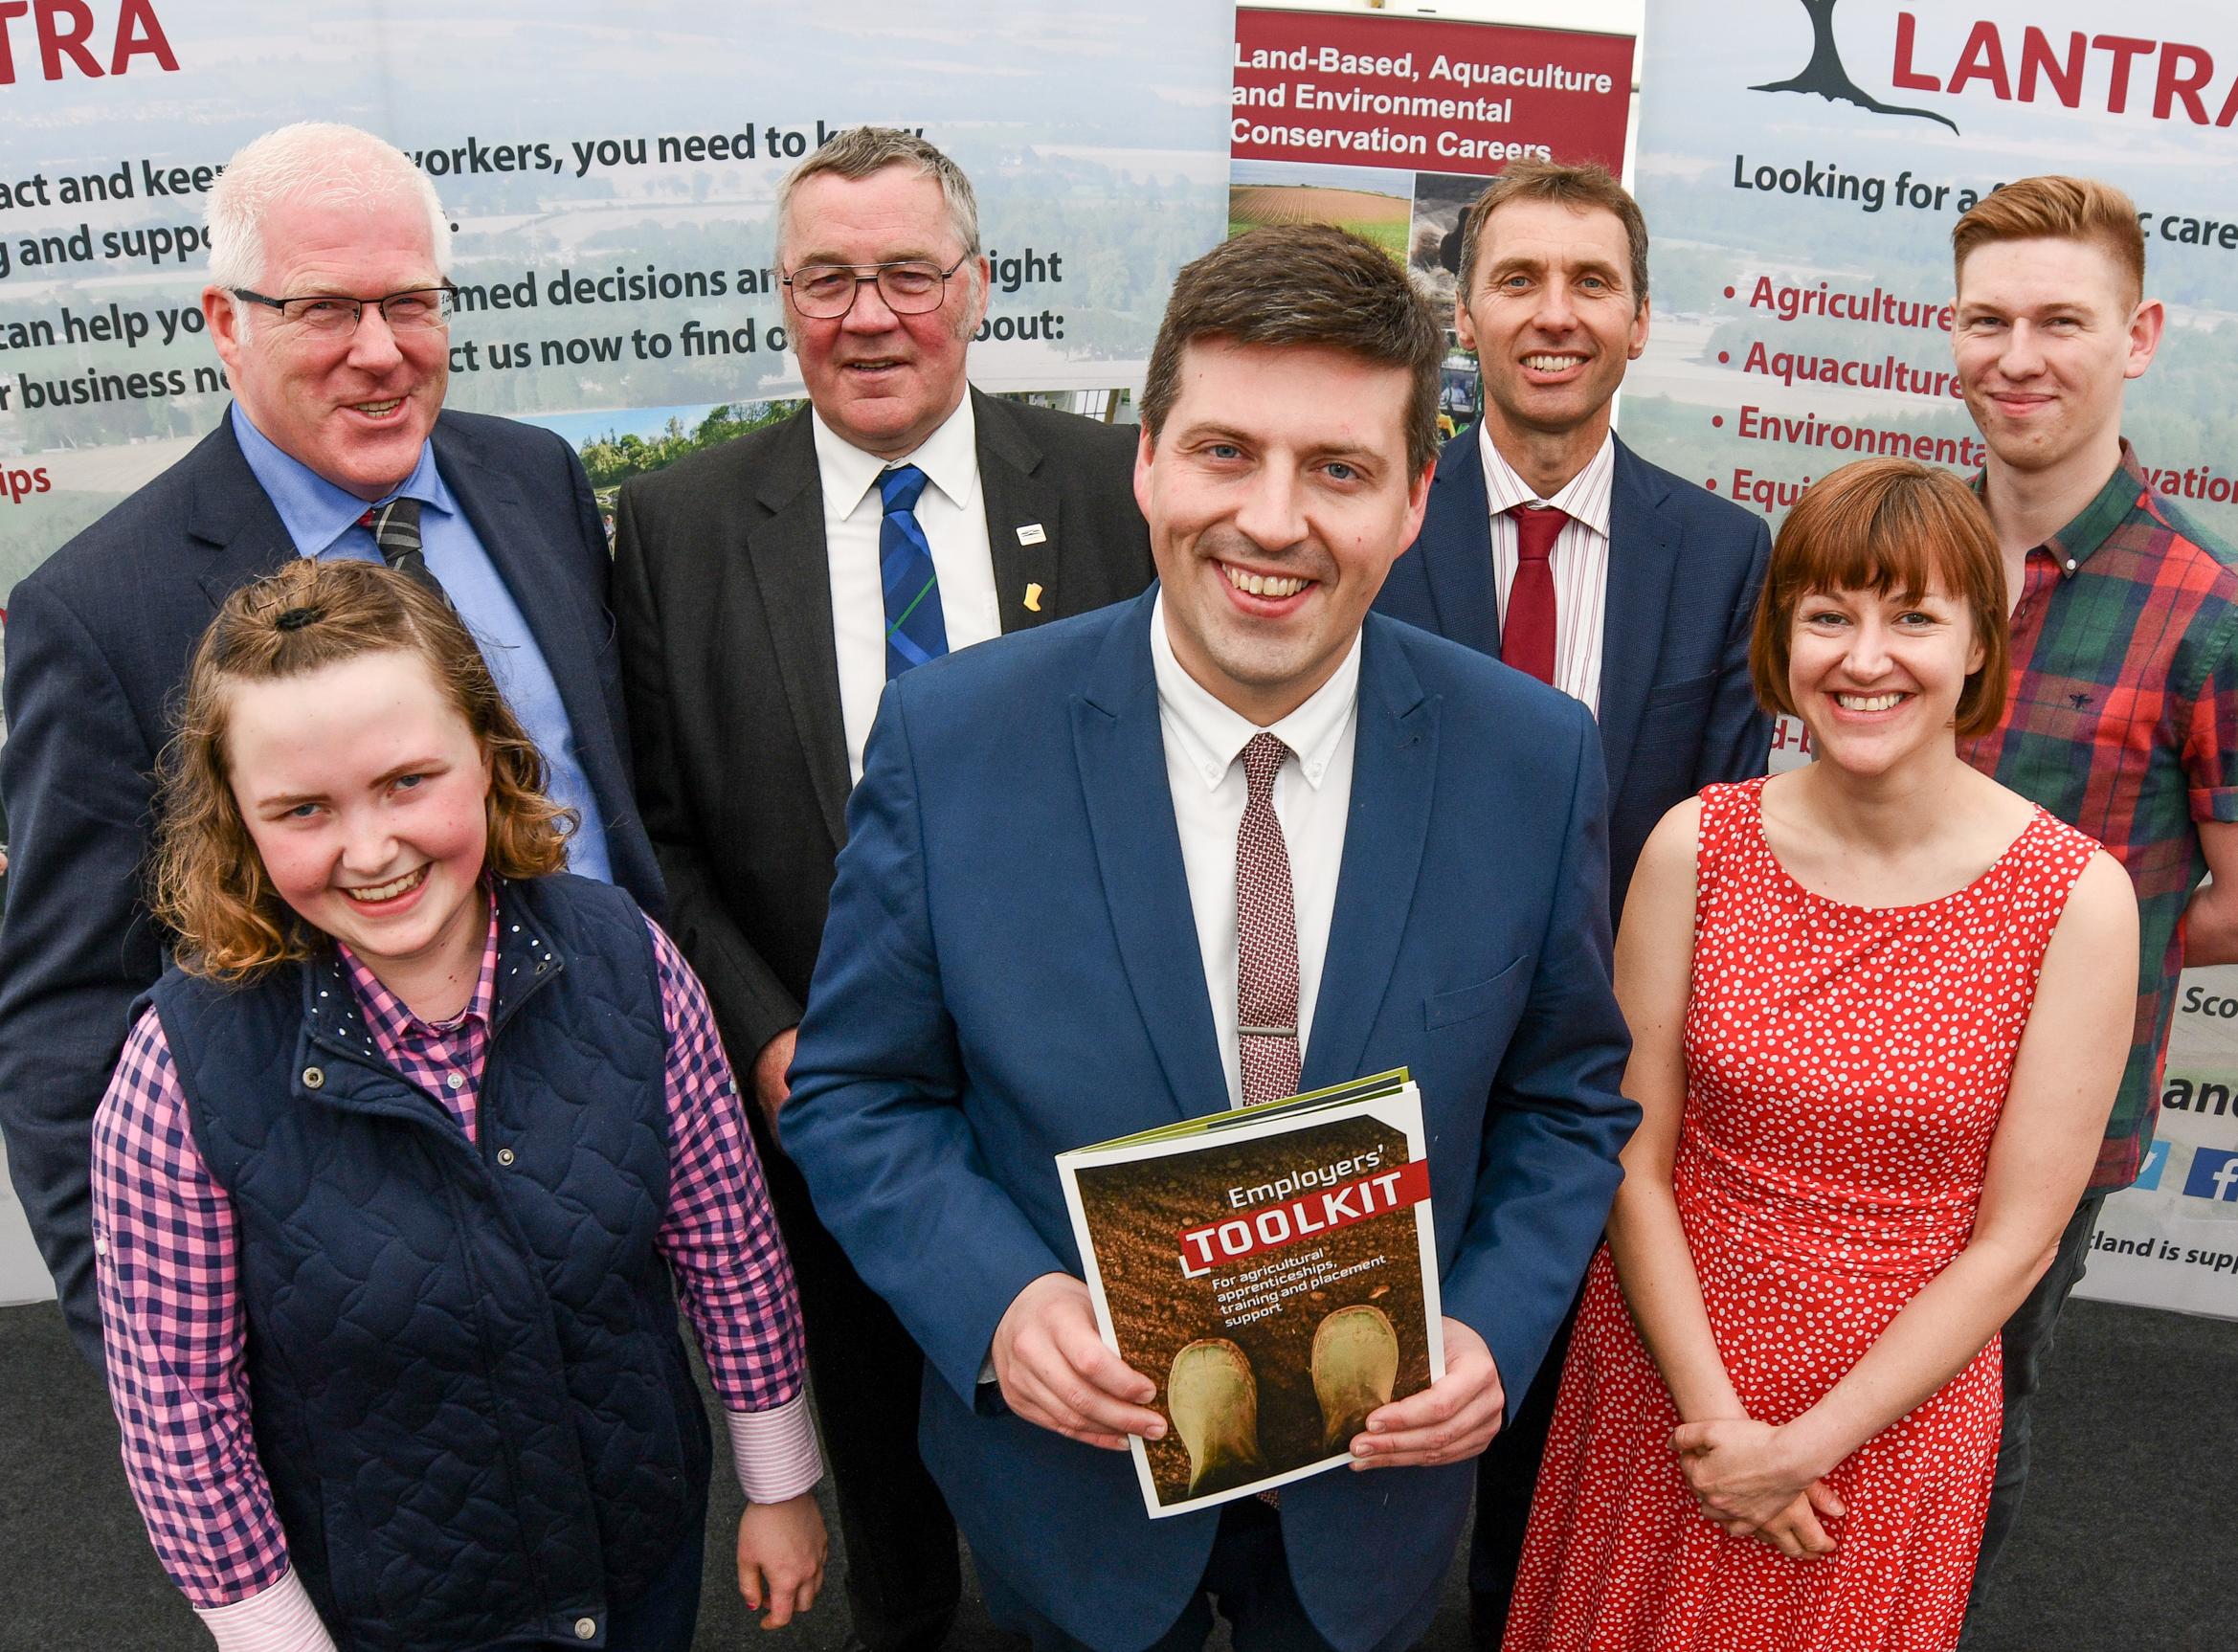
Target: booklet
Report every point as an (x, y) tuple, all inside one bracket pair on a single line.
[(1274, 1270)]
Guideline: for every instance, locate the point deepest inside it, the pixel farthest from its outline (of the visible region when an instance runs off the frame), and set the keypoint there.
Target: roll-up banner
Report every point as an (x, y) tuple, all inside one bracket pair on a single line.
[(1801, 164), (610, 173), (1390, 127)]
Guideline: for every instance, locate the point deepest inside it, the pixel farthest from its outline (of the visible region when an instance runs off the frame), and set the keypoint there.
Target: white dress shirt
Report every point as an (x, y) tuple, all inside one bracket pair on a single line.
[(1312, 799), (1579, 563), (954, 516)]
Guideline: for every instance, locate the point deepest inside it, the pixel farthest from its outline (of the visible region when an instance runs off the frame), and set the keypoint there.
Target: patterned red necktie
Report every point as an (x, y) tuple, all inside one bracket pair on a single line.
[(1267, 935), (1527, 630)]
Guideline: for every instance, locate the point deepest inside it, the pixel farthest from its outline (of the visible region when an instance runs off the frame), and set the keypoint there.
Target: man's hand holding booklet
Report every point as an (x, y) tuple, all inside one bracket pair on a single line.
[(1271, 1272)]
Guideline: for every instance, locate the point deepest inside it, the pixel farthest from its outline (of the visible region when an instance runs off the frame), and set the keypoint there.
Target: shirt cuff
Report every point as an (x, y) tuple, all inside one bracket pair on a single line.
[(278, 1618), (774, 1451)]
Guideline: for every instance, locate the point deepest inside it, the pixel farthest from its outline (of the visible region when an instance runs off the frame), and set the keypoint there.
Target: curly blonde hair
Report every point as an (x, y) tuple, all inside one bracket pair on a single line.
[(209, 885)]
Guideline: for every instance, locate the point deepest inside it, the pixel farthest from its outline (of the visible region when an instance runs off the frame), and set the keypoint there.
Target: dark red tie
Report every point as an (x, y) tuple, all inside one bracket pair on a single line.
[(1527, 630), (1267, 934)]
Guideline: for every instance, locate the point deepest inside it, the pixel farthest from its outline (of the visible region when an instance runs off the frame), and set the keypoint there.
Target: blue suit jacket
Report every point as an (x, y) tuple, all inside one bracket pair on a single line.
[(1677, 711), (98, 637), (1011, 969)]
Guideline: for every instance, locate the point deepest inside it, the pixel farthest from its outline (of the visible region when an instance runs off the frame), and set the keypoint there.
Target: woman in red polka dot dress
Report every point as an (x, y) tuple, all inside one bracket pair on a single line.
[(1880, 1006)]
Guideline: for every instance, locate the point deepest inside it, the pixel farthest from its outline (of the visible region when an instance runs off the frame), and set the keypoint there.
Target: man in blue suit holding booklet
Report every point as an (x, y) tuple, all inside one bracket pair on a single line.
[(1233, 839)]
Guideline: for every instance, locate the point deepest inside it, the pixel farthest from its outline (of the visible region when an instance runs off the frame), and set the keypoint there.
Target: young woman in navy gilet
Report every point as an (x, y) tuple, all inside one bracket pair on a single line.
[(406, 1163)]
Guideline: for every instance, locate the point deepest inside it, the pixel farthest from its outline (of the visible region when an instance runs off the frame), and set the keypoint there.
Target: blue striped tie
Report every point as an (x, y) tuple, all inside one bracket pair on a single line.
[(914, 630)]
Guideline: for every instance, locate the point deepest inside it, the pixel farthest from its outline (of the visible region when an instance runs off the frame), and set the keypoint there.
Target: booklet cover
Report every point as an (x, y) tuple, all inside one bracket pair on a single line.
[(1274, 1270)]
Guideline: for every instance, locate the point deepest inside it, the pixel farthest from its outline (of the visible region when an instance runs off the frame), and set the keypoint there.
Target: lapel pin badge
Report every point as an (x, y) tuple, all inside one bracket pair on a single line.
[(1031, 534), (1032, 595)]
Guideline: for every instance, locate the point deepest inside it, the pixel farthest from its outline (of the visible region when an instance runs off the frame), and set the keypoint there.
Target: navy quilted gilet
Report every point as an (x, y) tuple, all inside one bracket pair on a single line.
[(466, 1379)]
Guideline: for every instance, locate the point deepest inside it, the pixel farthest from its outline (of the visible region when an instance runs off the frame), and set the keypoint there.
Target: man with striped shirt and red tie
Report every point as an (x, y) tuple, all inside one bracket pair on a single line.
[(1550, 545)]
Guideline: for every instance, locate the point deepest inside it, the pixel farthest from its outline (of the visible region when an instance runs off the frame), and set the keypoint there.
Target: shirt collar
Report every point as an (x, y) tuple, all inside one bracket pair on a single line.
[(386, 1015), (2075, 545), (314, 511), (1212, 734), (1584, 497), (949, 457)]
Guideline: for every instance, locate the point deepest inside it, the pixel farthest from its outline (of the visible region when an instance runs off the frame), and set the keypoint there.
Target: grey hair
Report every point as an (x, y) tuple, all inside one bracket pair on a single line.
[(318, 161), (862, 150)]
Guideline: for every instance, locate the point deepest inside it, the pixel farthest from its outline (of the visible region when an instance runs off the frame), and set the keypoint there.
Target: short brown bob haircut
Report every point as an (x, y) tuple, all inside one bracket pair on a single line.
[(2053, 208), (1303, 284), (1583, 188), (209, 884), (1887, 524)]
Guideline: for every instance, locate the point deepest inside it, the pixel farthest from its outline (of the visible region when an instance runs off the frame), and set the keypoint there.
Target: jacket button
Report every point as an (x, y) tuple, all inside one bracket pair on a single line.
[(506, 1157), (313, 1078), (586, 1627)]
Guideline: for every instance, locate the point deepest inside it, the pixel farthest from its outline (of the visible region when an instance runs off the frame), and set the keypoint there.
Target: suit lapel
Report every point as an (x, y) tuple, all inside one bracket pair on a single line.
[(1022, 505), (1122, 755), (1643, 561), (232, 515), (567, 634), (1395, 768), (1456, 545), (786, 551)]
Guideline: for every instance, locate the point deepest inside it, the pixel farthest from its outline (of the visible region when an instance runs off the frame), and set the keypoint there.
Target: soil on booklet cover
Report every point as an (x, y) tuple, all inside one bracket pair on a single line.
[(1138, 1210)]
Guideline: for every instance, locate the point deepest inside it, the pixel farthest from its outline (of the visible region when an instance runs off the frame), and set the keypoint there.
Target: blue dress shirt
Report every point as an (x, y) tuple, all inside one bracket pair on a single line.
[(323, 520)]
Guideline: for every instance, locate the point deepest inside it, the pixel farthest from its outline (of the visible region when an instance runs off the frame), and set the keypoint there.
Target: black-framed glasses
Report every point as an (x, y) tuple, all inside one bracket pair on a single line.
[(910, 286), (414, 310)]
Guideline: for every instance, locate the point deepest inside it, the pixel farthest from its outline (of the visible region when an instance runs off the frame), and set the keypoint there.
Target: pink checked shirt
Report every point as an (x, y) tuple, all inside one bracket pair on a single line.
[(164, 1242)]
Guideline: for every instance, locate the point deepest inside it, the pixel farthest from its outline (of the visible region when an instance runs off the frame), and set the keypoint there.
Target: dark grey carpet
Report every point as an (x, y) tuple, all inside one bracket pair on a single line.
[(2125, 1546)]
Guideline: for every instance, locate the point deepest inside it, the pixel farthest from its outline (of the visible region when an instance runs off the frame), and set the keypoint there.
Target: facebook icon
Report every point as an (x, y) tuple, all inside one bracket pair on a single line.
[(2213, 1176)]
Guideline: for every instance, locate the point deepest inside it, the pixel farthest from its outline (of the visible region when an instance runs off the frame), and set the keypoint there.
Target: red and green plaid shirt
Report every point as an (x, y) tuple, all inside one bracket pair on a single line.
[(2123, 722)]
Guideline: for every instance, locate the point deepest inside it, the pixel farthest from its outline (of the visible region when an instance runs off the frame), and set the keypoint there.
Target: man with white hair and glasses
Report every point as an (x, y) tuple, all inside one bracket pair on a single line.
[(328, 304)]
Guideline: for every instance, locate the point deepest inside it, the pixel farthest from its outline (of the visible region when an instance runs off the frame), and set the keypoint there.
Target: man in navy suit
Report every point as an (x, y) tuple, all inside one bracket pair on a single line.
[(1053, 924), (329, 306), (1550, 545)]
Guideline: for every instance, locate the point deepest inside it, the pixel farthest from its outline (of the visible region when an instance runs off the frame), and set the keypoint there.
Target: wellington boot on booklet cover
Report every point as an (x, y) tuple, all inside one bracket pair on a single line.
[(1273, 1268)]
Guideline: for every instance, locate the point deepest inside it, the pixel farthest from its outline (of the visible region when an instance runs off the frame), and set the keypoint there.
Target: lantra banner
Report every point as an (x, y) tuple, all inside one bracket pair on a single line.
[(1801, 164), (611, 172)]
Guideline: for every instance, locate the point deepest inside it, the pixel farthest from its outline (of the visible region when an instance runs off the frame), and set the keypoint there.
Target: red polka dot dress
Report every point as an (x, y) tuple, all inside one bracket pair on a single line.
[(1846, 1066)]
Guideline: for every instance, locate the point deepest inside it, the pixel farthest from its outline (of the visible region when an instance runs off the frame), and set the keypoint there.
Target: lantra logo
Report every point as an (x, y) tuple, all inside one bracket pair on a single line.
[(1940, 51), (1824, 75)]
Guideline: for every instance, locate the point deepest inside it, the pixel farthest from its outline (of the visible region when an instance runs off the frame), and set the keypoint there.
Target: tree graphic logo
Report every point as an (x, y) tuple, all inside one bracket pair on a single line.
[(1824, 75)]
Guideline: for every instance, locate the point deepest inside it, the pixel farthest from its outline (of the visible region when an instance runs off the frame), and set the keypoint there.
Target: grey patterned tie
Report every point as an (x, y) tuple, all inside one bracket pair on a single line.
[(395, 529), (1267, 934)]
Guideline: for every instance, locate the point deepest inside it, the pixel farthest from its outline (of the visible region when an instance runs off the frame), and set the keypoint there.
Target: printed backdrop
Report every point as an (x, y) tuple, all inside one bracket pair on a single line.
[(1800, 163), (611, 172)]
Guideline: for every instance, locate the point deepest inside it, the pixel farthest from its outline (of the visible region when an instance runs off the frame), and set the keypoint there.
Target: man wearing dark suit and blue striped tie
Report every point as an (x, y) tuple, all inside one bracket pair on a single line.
[(768, 590), (329, 304)]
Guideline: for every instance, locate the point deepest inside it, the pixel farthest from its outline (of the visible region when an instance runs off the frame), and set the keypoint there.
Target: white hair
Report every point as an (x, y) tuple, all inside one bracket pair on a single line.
[(315, 161)]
